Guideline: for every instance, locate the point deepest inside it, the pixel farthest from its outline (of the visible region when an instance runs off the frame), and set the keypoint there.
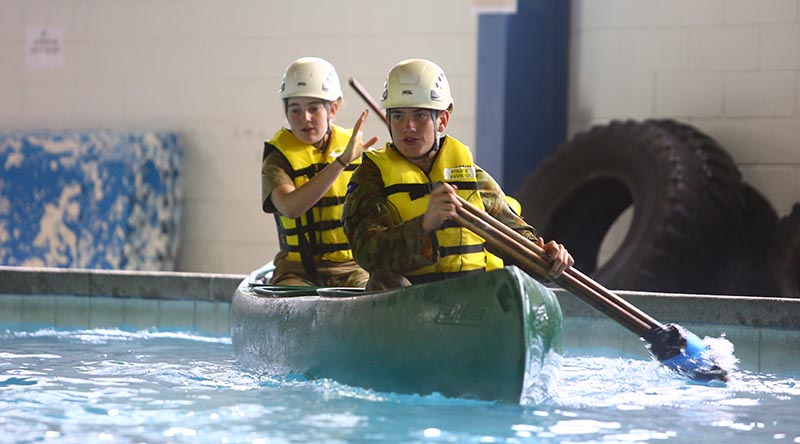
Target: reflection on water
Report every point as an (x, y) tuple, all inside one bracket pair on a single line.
[(114, 386)]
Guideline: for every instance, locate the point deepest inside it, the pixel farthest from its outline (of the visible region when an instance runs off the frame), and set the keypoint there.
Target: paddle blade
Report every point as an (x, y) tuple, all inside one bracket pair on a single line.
[(684, 352)]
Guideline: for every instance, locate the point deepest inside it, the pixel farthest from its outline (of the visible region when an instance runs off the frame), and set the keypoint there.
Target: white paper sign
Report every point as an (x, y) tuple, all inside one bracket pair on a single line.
[(45, 47), (493, 6)]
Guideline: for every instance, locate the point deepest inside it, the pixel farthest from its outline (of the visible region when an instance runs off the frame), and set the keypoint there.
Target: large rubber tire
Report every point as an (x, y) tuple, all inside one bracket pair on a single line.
[(733, 205), (576, 194), (747, 271), (785, 254), (723, 178)]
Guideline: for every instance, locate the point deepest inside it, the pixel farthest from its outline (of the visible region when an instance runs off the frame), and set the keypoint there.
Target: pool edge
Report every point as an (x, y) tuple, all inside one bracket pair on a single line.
[(767, 312)]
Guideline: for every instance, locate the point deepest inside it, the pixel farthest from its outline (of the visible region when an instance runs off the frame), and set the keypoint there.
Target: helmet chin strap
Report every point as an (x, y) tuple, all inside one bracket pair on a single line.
[(434, 148), (325, 137)]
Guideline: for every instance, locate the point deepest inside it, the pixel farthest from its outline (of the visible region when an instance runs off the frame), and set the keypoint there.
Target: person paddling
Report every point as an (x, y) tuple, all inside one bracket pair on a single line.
[(399, 210)]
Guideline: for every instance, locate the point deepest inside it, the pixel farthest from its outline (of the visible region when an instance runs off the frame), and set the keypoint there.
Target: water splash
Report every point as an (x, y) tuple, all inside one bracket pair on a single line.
[(721, 351), (105, 335)]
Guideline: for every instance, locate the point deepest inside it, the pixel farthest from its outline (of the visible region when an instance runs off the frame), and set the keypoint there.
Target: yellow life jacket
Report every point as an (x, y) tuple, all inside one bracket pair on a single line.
[(408, 188), (318, 234)]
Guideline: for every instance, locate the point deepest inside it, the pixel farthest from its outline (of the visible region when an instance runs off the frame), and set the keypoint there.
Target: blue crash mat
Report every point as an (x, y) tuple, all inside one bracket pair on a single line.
[(90, 199)]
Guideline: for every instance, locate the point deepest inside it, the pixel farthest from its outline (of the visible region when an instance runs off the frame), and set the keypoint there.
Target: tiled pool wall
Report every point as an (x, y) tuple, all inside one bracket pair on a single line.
[(127, 313), (764, 331), (72, 298), (758, 349)]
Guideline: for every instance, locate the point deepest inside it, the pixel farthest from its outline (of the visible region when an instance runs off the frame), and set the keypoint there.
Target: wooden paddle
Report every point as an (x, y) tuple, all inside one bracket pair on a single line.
[(531, 257), (368, 98), (673, 345)]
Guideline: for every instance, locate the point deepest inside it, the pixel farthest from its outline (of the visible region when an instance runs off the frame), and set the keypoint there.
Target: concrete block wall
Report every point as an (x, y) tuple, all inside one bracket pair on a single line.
[(728, 67), (210, 70)]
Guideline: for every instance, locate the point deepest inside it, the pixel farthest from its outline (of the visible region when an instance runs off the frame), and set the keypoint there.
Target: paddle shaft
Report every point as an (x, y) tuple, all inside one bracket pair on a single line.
[(535, 264), (368, 98), (571, 273)]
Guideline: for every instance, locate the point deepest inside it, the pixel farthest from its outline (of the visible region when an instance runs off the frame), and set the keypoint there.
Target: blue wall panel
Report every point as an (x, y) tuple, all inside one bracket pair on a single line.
[(522, 88)]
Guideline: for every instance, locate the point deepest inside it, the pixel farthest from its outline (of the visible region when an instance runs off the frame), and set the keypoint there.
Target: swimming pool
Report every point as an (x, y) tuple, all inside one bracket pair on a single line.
[(146, 357), (128, 386)]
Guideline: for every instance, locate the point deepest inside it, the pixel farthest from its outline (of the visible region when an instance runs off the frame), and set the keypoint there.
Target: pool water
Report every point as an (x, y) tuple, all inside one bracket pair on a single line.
[(114, 386)]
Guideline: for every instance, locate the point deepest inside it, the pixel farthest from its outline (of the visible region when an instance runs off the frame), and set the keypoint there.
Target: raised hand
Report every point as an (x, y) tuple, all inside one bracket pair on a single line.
[(357, 146)]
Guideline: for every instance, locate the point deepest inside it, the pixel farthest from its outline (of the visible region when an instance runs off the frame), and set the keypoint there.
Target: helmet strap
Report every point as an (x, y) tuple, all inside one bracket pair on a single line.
[(436, 134), (327, 106)]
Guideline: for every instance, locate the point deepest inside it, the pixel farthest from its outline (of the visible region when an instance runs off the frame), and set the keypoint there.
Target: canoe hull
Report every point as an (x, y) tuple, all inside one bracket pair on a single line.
[(494, 336)]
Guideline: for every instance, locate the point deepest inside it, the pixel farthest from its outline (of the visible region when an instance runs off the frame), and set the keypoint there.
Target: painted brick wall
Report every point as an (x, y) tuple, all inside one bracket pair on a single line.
[(210, 70), (729, 67)]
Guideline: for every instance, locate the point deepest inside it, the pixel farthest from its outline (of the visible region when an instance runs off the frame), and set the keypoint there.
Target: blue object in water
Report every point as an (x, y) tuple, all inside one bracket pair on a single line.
[(684, 352)]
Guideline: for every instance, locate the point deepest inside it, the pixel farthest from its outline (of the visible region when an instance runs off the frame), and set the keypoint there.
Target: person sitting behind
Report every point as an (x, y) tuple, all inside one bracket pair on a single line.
[(304, 175), (401, 200)]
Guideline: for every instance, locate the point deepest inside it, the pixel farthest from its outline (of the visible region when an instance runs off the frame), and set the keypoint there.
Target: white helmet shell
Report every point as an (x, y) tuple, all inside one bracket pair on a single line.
[(417, 83), (311, 77)]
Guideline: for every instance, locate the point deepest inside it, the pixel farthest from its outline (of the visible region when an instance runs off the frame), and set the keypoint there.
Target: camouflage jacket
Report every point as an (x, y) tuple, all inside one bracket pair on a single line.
[(381, 241)]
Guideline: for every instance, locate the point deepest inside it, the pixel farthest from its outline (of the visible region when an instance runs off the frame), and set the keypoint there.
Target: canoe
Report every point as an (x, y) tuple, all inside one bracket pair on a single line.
[(490, 336)]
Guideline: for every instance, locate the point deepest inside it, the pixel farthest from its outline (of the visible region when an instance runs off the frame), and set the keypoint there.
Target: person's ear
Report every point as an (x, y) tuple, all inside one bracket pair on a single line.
[(333, 107), (443, 120)]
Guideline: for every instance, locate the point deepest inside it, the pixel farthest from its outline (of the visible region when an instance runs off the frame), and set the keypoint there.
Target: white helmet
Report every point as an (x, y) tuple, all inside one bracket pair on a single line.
[(417, 83), (310, 77)]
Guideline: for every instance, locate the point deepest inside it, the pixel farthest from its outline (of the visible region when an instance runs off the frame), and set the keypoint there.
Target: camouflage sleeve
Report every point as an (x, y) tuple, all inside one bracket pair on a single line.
[(379, 240), (494, 200), (273, 173)]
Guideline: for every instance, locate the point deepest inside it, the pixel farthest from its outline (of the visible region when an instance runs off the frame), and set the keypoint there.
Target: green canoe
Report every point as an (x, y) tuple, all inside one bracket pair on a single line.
[(491, 336)]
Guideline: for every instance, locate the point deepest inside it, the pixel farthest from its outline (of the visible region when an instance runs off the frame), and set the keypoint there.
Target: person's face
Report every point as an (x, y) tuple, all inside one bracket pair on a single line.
[(414, 129), (308, 119)]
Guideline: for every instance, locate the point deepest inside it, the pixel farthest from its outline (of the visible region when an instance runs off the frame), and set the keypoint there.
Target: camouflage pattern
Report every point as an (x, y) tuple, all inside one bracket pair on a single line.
[(381, 241)]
